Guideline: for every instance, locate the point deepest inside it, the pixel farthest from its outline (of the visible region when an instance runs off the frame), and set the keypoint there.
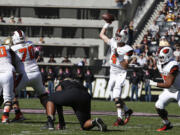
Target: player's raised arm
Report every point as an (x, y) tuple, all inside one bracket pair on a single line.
[(109, 18)]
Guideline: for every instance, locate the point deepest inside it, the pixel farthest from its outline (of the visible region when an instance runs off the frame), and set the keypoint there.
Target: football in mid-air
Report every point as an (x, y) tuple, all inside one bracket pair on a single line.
[(109, 18)]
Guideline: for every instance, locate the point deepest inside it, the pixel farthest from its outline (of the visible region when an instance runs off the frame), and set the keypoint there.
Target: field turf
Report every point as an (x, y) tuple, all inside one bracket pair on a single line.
[(138, 125)]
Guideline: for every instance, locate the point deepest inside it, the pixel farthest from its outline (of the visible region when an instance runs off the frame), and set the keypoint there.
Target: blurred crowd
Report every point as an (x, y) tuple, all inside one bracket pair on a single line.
[(52, 76)]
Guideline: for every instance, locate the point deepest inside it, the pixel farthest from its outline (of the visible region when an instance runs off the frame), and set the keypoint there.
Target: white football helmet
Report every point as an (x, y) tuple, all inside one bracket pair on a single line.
[(165, 54), (121, 36), (18, 37)]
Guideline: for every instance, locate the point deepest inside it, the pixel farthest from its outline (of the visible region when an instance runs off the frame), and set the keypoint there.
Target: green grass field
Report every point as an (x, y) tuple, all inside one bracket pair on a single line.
[(137, 126)]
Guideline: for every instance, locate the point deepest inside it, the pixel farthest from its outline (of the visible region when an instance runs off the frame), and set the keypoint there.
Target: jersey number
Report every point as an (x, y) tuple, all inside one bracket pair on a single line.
[(3, 52), (24, 51), (114, 58)]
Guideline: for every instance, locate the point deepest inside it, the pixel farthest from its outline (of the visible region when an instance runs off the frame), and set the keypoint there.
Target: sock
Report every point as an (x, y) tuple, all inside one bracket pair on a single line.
[(119, 113), (166, 122)]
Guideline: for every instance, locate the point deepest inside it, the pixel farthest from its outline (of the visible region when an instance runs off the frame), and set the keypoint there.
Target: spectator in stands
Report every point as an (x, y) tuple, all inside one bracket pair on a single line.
[(89, 78), (178, 32), (170, 17), (2, 20), (37, 50), (177, 52), (44, 75), (178, 15), (151, 62), (79, 75), (172, 4), (133, 62), (39, 58), (161, 17), (147, 87), (50, 80), (119, 3), (154, 28), (19, 21), (163, 41), (12, 20), (134, 81), (67, 73), (172, 41), (141, 60), (60, 75), (131, 33), (171, 31), (154, 41), (41, 40), (66, 60), (51, 59), (82, 62)]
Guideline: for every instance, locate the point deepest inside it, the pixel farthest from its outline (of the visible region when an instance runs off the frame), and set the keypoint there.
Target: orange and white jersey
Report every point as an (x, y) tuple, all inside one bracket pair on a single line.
[(25, 60), (117, 57), (171, 67), (5, 59)]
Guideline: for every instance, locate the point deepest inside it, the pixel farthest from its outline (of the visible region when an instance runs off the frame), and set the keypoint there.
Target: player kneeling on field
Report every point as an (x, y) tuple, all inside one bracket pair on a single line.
[(72, 93)]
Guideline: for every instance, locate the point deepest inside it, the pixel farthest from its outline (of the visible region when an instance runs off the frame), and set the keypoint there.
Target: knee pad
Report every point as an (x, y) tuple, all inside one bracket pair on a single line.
[(162, 113), (44, 99), (119, 103)]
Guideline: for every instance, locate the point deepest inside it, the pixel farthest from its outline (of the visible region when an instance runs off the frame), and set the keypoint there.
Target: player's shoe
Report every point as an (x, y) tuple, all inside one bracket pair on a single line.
[(19, 117), (101, 125), (118, 122), (4, 119), (48, 125), (60, 127), (127, 116), (165, 127)]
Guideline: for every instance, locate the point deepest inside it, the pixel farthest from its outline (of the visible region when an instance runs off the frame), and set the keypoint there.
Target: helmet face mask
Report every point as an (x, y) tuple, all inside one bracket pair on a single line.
[(165, 55), (18, 37), (121, 36)]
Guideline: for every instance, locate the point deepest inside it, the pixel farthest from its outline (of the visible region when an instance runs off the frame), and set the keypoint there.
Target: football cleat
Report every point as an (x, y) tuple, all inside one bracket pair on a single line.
[(100, 124), (165, 127), (4, 119), (48, 125), (118, 122), (19, 117), (127, 116), (59, 127)]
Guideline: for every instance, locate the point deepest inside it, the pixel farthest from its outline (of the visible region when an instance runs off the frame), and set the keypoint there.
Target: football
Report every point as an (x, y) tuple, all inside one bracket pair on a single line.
[(109, 18)]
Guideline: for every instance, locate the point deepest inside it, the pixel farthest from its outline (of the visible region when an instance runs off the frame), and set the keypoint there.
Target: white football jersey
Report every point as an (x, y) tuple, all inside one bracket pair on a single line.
[(5, 59), (25, 60), (115, 58), (171, 67)]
